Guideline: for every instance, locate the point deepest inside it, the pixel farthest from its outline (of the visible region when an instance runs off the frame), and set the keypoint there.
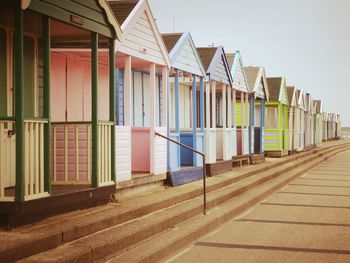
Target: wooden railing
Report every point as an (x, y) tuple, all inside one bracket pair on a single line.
[(105, 153), (34, 158), (7, 158)]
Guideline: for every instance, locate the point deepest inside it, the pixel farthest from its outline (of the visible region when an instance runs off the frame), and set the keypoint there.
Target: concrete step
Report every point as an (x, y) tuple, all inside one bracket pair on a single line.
[(163, 245), (111, 240), (55, 231)]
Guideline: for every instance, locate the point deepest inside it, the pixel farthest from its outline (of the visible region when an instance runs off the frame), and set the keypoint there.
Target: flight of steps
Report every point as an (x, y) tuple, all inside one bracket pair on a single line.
[(151, 228)]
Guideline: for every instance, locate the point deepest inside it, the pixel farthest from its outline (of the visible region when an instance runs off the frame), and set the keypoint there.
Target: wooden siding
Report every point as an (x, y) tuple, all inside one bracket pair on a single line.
[(220, 72), (93, 15), (160, 152), (7, 156), (123, 153), (71, 89), (185, 108), (239, 81), (186, 59), (141, 102), (3, 72), (70, 153), (140, 40), (29, 53), (260, 93)]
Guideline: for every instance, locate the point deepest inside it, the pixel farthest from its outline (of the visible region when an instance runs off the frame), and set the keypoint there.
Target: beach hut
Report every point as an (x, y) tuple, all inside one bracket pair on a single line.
[(324, 126), (56, 107), (294, 121), (302, 119), (318, 127), (241, 110), (142, 64), (259, 94), (337, 127), (186, 102), (276, 121), (308, 121), (331, 126), (218, 110)]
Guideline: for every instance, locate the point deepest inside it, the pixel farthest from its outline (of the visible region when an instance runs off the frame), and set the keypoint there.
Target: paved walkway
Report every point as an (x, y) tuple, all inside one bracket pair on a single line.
[(307, 221)]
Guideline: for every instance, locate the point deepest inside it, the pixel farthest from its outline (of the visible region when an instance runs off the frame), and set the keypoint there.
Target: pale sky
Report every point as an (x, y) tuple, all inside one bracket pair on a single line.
[(306, 41)]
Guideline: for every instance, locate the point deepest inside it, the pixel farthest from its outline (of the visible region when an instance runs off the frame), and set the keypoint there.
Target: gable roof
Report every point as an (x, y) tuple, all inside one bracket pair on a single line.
[(206, 54), (291, 92), (170, 40), (183, 53), (301, 99), (215, 64), (237, 72), (318, 104), (141, 37), (274, 88), (230, 59), (277, 89), (122, 9), (256, 78)]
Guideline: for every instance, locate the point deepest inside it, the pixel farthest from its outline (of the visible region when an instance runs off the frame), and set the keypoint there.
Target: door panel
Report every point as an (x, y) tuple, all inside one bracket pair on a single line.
[(74, 89), (87, 90), (58, 87)]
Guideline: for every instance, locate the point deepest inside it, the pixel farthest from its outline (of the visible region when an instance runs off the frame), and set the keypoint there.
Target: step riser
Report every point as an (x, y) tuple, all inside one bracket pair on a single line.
[(112, 248), (179, 244), (188, 214), (120, 244), (99, 253)]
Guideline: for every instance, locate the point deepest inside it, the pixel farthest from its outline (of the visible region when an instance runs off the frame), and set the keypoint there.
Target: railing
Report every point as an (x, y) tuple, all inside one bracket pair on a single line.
[(105, 153), (204, 168), (7, 158), (71, 153), (34, 158)]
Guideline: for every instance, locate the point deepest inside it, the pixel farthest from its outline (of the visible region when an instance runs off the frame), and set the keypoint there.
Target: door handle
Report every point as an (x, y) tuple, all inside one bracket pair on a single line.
[(11, 133)]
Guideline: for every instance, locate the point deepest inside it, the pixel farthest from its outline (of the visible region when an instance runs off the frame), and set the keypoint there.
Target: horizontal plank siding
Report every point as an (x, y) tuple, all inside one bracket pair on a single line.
[(140, 40), (239, 81), (186, 59), (220, 73), (160, 152), (62, 10), (123, 153)]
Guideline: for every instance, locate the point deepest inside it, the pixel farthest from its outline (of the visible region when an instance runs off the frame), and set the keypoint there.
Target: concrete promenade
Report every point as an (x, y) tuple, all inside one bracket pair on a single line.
[(307, 221)]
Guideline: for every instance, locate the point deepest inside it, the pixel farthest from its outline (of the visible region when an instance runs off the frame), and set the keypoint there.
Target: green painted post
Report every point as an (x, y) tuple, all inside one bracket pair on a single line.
[(94, 115), (18, 73), (112, 98), (46, 102)]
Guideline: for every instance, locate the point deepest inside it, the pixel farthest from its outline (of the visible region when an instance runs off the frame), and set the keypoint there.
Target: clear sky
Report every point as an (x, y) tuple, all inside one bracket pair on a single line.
[(306, 41)]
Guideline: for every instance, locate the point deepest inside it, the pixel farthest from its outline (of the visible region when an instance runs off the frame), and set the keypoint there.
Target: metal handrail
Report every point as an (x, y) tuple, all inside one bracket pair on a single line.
[(204, 172)]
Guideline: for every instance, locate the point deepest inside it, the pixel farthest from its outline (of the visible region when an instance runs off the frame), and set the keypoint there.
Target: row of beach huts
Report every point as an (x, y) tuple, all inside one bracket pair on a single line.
[(86, 86)]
